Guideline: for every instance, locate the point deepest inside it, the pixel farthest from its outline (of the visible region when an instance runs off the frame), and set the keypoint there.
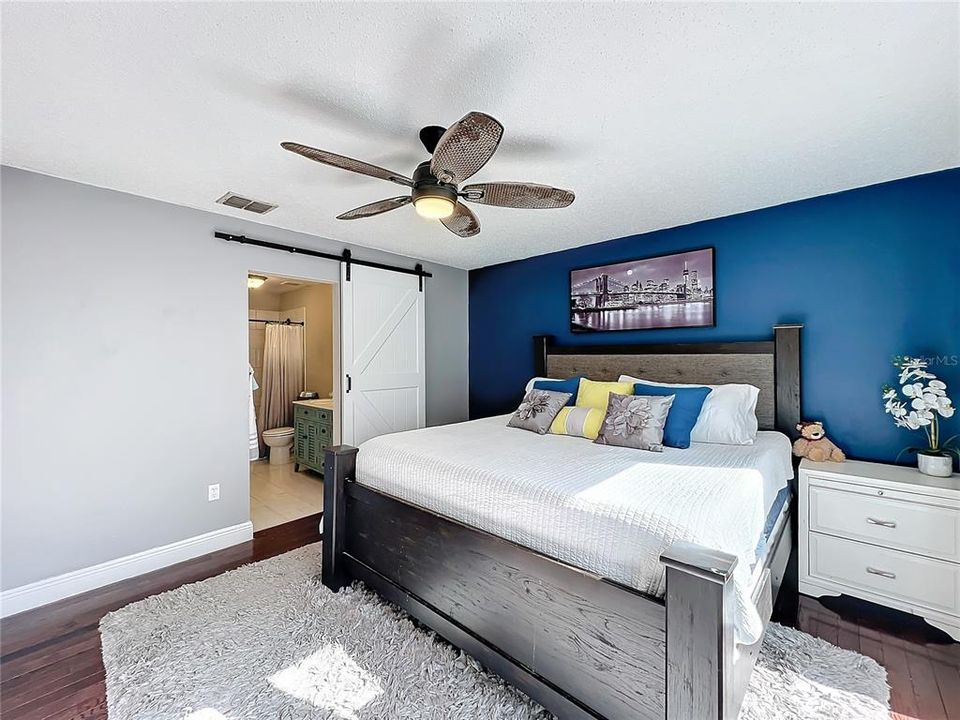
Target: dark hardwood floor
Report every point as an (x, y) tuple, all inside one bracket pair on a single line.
[(51, 669), (50, 664), (923, 663)]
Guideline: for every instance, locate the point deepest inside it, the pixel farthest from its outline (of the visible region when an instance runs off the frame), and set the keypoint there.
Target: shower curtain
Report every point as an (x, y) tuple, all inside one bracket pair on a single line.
[(282, 376)]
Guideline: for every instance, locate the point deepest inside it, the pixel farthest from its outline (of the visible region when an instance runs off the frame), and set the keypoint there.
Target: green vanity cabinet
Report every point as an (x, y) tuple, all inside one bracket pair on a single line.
[(314, 432)]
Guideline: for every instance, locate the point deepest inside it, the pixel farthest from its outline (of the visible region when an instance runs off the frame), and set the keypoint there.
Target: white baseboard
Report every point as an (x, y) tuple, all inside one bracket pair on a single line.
[(27, 597)]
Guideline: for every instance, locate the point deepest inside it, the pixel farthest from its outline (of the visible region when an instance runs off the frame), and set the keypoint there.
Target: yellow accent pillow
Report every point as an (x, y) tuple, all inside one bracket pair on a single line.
[(580, 421), (595, 394)]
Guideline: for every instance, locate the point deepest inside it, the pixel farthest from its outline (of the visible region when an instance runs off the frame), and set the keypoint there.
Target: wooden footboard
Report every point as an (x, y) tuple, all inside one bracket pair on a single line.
[(579, 644)]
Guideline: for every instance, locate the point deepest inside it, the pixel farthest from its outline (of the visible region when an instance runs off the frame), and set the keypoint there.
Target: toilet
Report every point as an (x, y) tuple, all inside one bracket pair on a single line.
[(279, 441)]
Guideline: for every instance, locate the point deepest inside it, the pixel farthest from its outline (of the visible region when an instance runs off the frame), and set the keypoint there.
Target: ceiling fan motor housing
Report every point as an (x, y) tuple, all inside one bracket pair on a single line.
[(425, 184), (430, 136)]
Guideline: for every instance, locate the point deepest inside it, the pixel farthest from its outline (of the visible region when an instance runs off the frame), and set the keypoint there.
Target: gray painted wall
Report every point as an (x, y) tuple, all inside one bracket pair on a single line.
[(124, 369)]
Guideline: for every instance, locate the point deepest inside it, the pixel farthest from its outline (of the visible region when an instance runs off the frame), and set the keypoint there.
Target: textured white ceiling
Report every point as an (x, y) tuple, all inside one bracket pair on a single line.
[(656, 115)]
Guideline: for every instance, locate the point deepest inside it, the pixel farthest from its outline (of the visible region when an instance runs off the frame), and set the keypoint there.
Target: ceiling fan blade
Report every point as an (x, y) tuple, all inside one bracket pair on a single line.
[(375, 208), (462, 222), (465, 147), (345, 163), (517, 195)]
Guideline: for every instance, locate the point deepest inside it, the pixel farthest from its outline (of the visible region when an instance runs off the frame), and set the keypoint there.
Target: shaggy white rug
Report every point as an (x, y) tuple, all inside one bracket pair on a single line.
[(268, 641)]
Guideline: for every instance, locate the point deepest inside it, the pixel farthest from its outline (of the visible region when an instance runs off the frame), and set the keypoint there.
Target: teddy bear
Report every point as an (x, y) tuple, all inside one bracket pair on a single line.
[(814, 444)]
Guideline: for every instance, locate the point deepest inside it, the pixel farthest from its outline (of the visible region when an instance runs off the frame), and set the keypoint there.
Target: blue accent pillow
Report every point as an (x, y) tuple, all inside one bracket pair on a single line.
[(570, 385), (683, 413)]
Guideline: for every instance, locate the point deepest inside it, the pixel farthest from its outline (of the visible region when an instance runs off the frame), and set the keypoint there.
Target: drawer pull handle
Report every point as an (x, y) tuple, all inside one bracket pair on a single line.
[(881, 523), (882, 573)]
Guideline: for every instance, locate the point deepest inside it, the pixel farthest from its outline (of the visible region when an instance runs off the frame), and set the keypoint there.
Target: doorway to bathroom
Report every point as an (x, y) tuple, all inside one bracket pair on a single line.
[(293, 406)]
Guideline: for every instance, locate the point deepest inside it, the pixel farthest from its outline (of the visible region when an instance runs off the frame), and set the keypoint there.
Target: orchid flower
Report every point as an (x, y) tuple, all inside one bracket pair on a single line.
[(914, 390), (926, 397)]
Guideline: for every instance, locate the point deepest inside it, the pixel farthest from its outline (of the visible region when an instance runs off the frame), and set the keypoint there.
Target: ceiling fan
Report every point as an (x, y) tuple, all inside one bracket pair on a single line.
[(457, 152)]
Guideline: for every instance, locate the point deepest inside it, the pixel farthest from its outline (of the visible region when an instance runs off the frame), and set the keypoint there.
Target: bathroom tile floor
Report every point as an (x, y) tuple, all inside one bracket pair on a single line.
[(279, 495)]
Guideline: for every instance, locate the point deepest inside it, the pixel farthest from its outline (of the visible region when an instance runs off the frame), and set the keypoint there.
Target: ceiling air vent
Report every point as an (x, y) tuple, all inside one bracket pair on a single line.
[(243, 203)]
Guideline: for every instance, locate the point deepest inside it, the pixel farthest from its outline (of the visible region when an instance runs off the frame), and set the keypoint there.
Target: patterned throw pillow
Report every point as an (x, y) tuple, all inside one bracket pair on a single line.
[(635, 421), (538, 409), (578, 421)]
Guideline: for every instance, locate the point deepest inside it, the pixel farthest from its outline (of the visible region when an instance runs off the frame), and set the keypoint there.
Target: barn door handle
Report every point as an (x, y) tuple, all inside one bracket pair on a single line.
[(349, 383)]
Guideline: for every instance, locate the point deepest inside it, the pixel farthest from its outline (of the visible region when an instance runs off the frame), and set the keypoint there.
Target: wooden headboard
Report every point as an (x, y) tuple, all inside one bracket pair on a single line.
[(772, 365)]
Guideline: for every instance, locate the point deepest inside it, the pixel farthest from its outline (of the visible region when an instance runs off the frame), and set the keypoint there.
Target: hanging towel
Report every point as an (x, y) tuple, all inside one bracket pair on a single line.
[(254, 435)]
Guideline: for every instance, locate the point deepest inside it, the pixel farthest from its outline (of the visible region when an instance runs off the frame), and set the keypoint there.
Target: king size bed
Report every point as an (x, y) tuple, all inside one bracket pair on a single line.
[(604, 582)]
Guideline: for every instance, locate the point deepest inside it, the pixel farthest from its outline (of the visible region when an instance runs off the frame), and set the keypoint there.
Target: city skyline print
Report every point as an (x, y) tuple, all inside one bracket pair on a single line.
[(666, 291)]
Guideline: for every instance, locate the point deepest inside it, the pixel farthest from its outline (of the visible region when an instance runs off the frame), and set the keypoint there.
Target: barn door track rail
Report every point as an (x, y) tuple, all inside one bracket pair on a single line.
[(344, 257)]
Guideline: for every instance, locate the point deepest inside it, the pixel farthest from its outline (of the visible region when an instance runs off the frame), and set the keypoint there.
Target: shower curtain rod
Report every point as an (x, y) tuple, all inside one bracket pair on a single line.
[(345, 257), (288, 321)]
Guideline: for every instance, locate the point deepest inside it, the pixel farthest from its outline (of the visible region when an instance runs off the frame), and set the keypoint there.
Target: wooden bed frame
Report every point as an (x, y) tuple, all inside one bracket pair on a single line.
[(581, 645)]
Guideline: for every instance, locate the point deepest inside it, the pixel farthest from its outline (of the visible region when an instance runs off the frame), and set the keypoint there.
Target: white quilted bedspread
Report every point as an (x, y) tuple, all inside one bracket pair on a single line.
[(608, 510)]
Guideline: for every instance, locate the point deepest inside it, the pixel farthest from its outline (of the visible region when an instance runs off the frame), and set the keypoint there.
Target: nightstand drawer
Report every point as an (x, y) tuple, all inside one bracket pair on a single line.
[(886, 573), (885, 518)]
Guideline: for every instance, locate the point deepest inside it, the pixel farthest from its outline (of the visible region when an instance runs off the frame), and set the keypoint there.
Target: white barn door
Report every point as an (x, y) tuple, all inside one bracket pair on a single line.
[(383, 380)]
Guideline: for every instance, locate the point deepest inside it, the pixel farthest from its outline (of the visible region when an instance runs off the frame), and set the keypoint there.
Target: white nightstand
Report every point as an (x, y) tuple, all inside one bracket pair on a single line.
[(883, 533)]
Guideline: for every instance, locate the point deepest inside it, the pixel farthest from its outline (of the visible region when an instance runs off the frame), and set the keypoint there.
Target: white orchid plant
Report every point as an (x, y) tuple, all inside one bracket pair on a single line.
[(923, 403)]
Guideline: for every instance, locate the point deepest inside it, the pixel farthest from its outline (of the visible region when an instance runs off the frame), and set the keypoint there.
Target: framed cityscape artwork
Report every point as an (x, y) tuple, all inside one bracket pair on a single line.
[(667, 291)]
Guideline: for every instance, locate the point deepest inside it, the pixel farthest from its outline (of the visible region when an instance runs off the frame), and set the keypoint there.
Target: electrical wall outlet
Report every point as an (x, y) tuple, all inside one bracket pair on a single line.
[(213, 492)]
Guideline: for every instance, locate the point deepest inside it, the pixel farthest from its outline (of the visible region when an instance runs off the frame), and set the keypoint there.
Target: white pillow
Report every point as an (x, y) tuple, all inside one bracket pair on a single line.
[(728, 415)]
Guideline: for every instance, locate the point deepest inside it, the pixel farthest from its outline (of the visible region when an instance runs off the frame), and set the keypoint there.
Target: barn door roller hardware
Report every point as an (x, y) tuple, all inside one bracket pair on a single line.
[(345, 257)]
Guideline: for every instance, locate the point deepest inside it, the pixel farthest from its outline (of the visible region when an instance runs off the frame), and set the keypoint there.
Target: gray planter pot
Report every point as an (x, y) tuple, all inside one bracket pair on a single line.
[(939, 465)]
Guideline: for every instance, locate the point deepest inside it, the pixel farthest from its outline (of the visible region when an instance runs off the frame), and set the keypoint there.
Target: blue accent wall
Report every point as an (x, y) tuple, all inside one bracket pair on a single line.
[(871, 273)]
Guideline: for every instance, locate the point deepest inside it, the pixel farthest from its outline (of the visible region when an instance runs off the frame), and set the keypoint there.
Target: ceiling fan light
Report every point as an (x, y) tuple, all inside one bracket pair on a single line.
[(255, 281), (433, 207)]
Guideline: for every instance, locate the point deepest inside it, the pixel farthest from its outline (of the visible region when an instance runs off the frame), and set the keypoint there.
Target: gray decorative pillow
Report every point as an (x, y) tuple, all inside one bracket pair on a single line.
[(635, 421), (538, 409)]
